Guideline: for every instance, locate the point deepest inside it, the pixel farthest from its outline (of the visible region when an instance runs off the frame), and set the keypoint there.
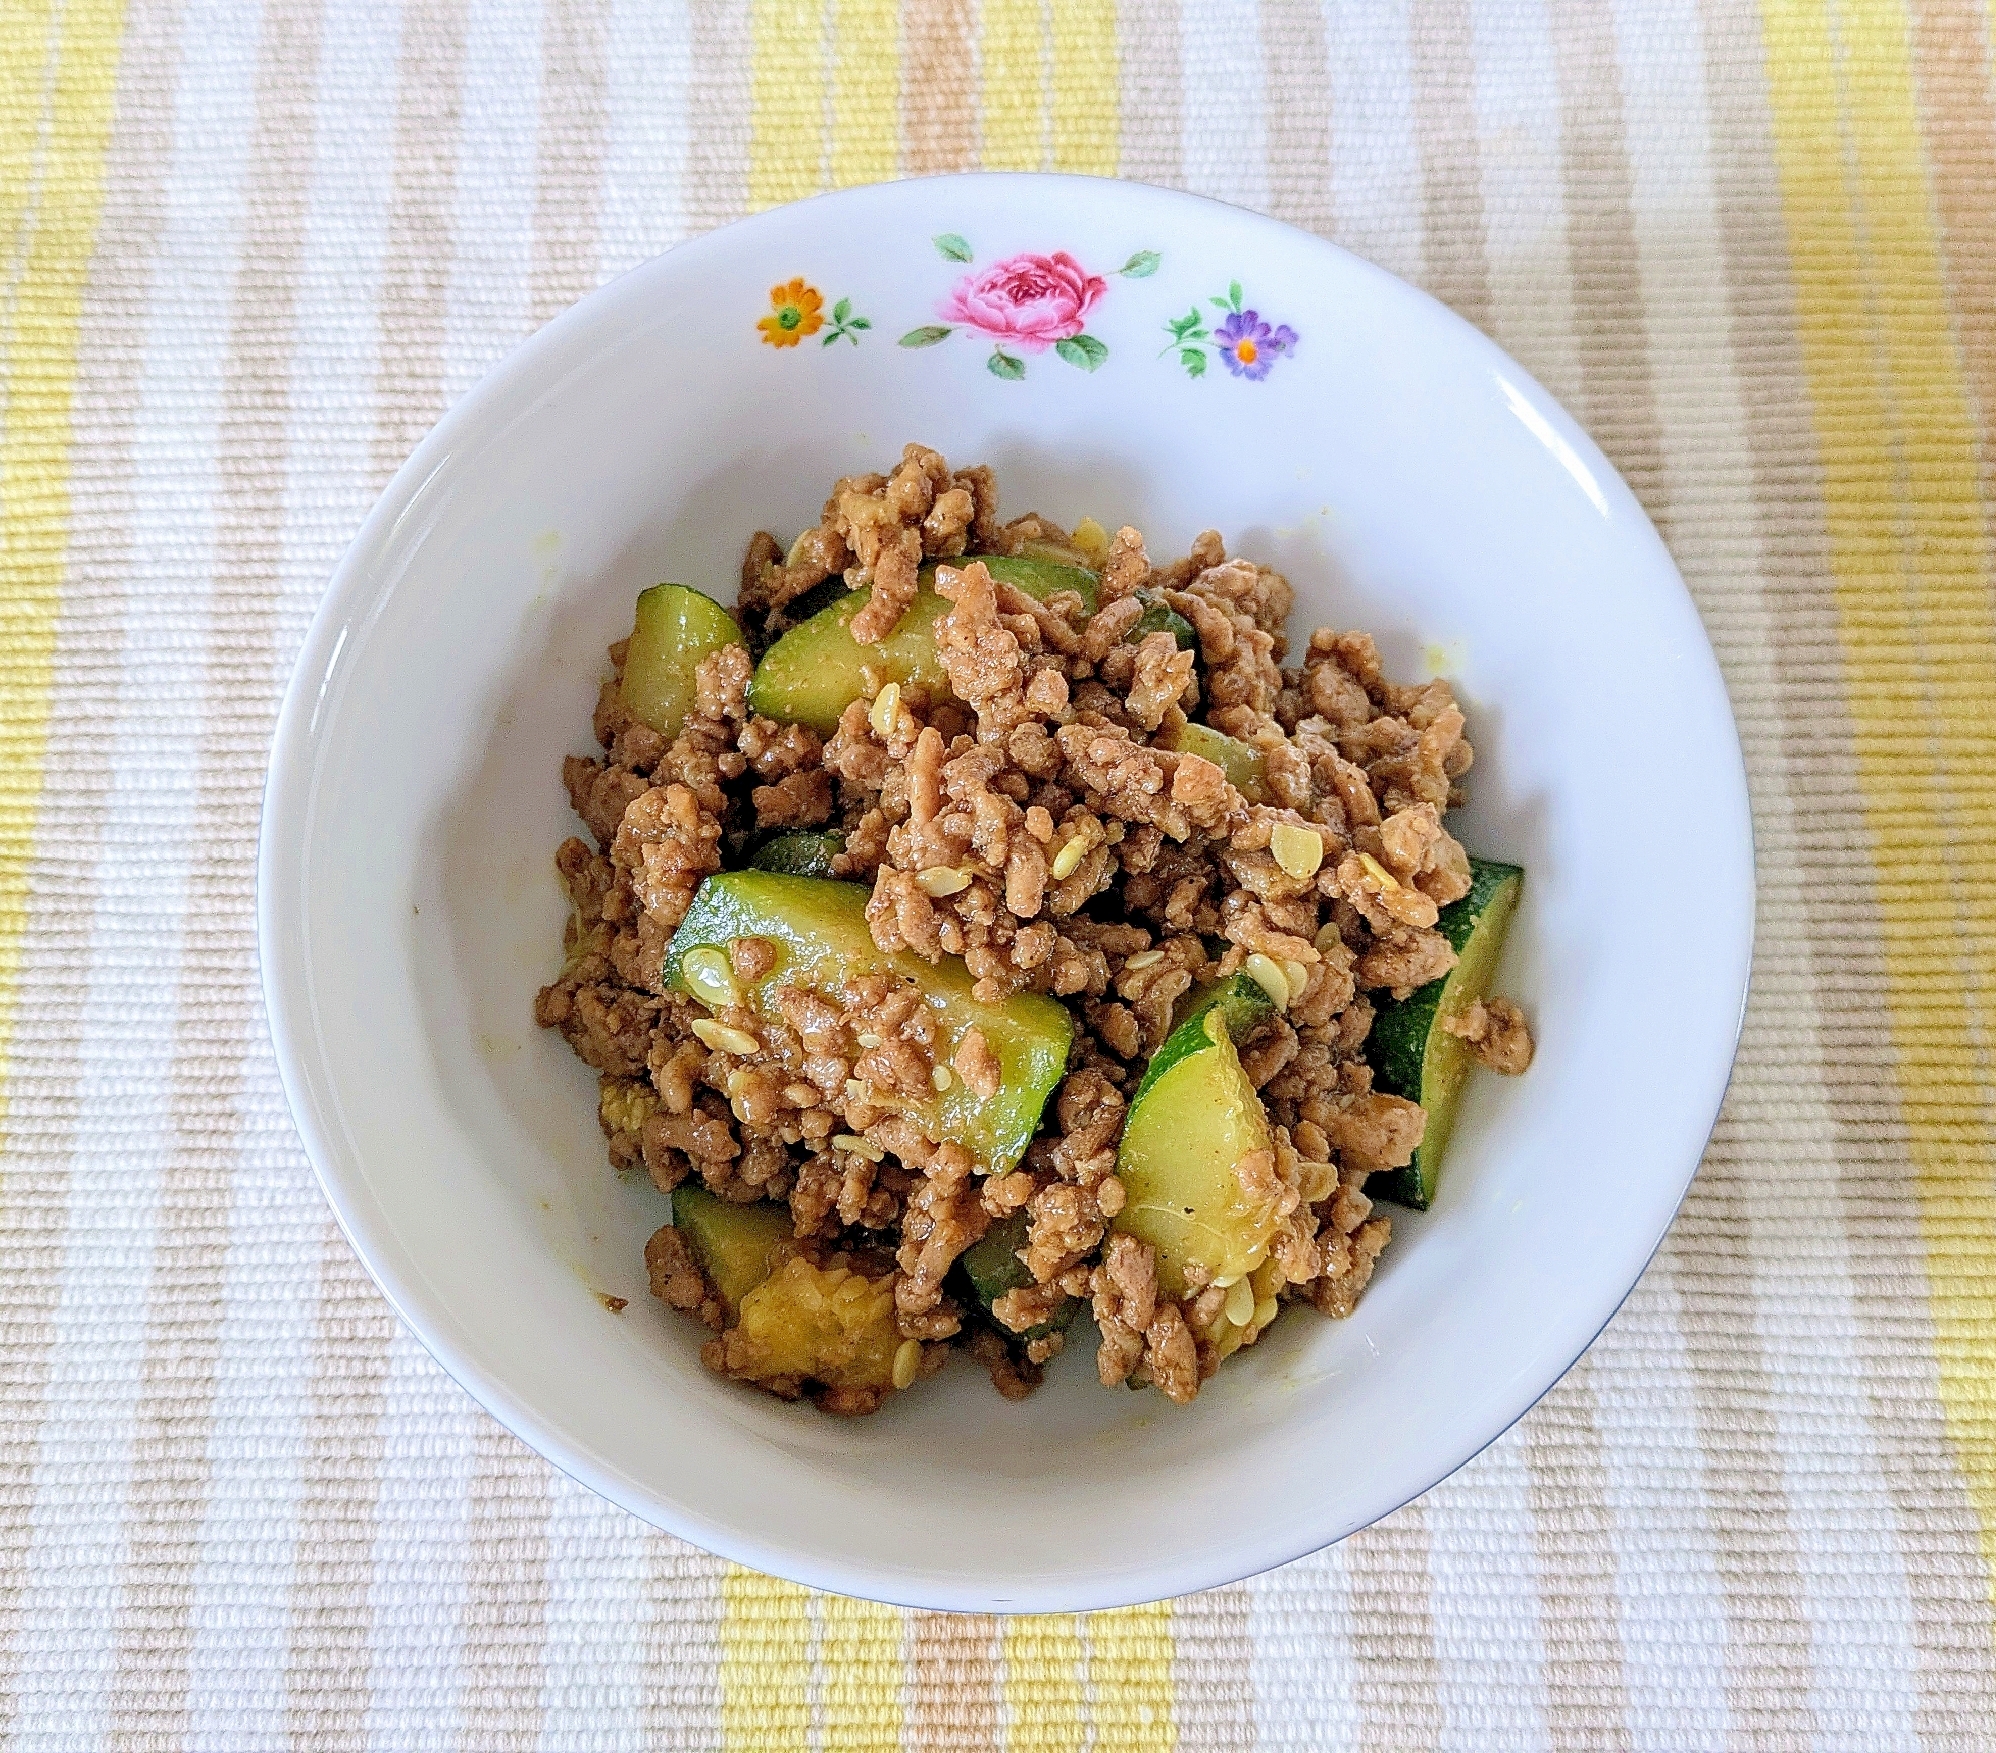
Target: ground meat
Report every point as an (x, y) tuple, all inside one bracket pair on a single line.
[(976, 1064), (1404, 958), (677, 1282), (1124, 1288), (798, 800), (609, 1026), (666, 843), (1171, 1358), (1497, 1034), (1038, 823), (1375, 1131), (1012, 1376), (1349, 1268)]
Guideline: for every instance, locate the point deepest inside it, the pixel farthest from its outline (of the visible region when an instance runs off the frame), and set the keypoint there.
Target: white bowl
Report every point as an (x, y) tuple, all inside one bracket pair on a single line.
[(1408, 478)]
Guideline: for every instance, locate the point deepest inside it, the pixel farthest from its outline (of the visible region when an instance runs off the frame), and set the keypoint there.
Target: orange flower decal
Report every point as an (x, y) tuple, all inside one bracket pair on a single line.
[(796, 310)]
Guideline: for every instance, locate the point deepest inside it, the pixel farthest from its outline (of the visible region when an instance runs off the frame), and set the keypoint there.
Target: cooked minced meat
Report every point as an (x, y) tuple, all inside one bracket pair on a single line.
[(1043, 820)]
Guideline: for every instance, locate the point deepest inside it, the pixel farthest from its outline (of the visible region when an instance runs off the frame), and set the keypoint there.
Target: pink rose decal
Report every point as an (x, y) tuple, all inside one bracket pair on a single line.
[(1026, 304), (1032, 301)]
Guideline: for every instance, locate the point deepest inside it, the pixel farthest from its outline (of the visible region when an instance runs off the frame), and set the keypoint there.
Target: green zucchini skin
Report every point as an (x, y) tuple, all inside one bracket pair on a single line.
[(817, 599), (799, 852), (1412, 1055), (1037, 578), (1239, 998), (1160, 617), (991, 1267), (1193, 1117)]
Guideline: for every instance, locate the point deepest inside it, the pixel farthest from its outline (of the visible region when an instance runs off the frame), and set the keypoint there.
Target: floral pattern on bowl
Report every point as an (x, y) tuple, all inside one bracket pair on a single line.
[(1248, 344), (797, 309), (1026, 303)]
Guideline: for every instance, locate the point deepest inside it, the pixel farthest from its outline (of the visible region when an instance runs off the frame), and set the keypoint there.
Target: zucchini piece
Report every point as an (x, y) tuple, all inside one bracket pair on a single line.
[(1062, 553), (992, 1267), (1240, 761), (675, 627), (798, 853), (818, 668), (817, 599), (1035, 575), (1160, 617), (790, 1320), (810, 1323), (732, 1244), (1194, 1116), (1412, 1055), (822, 941), (1240, 998)]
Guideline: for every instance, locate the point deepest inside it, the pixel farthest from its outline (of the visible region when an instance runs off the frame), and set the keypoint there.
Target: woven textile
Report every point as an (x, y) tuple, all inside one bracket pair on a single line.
[(251, 253)]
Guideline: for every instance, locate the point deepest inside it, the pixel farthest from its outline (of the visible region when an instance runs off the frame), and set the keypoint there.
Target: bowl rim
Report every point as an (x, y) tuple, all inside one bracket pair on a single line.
[(289, 801)]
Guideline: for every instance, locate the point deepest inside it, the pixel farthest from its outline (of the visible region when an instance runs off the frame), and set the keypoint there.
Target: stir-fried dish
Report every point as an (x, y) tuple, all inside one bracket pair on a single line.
[(985, 922)]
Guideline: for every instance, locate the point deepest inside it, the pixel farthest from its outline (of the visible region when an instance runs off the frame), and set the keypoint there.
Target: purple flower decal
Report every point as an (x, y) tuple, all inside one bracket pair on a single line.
[(1250, 346)]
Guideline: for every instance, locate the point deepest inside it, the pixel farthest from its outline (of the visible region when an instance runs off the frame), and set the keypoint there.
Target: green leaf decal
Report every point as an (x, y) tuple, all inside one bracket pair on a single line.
[(1082, 350), (862, 322), (1194, 362), (1234, 295), (926, 337), (1142, 265), (1002, 364), (952, 248), (842, 310), (1217, 303)]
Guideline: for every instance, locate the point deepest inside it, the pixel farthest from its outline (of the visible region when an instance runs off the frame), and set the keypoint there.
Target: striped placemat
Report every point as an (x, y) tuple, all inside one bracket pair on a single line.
[(252, 251)]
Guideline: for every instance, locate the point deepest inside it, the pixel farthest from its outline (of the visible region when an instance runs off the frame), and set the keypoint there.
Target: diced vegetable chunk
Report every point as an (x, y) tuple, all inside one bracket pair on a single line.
[(809, 1323), (1160, 617), (733, 1245), (1245, 1004), (790, 1321), (993, 1267), (799, 853), (1238, 760), (819, 932), (1412, 1055), (1192, 1120), (675, 628), (1037, 577), (818, 668)]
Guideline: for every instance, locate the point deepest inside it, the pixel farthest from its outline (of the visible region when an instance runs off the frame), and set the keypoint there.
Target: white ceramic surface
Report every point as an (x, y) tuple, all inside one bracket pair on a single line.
[(1408, 478)]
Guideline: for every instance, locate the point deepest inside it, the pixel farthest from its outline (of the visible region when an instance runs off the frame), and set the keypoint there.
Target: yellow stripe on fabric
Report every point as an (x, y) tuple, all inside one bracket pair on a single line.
[(861, 1655), (1012, 49), (1910, 558), (765, 1664), (56, 131), (866, 91), (27, 49), (1130, 1699), (1043, 1702), (1087, 82), (787, 101)]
